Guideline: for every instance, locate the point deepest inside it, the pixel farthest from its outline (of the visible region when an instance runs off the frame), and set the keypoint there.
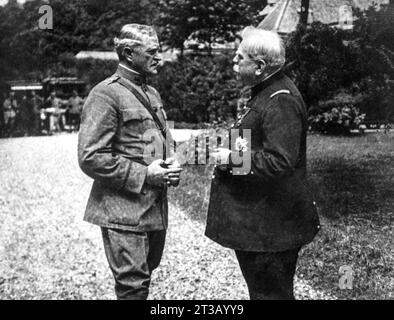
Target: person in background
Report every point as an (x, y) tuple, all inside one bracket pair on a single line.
[(10, 110), (37, 103), (54, 103), (24, 118), (75, 104)]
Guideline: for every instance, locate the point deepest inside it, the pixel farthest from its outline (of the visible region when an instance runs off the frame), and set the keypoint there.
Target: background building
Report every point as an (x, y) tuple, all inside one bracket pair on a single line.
[(284, 15)]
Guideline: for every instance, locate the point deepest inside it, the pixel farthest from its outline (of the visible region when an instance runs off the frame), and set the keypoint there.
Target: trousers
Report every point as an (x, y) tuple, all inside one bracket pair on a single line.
[(269, 275), (132, 256)]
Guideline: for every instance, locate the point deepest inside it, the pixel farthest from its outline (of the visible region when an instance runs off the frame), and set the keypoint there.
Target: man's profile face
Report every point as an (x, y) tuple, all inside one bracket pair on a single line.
[(146, 59), (244, 67)]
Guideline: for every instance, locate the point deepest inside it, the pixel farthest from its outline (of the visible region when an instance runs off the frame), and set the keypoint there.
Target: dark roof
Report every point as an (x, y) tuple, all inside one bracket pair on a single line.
[(284, 17)]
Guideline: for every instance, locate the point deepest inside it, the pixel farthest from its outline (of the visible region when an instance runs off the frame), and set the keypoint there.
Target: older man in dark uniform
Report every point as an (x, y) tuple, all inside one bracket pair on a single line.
[(266, 213), (122, 146)]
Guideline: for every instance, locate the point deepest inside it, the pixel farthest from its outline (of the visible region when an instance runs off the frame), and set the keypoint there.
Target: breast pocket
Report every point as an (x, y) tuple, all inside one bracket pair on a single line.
[(141, 134), (137, 122)]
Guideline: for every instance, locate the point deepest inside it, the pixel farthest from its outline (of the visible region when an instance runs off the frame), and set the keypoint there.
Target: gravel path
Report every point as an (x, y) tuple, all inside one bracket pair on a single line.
[(48, 252), (203, 269)]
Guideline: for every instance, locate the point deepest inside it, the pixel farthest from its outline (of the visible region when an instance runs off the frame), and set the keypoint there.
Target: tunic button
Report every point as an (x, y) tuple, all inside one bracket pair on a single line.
[(231, 171), (252, 172)]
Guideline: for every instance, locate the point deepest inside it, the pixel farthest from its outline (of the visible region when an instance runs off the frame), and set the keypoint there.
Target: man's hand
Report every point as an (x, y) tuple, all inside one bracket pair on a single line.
[(221, 157), (158, 174), (172, 162), (173, 179)]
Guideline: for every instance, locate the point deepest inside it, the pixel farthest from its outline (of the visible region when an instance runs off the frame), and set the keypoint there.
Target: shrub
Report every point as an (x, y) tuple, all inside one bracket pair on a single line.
[(324, 60), (320, 62), (199, 89), (337, 120), (92, 71)]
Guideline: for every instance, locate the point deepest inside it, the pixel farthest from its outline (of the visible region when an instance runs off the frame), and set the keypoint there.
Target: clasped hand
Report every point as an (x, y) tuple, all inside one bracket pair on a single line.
[(164, 172)]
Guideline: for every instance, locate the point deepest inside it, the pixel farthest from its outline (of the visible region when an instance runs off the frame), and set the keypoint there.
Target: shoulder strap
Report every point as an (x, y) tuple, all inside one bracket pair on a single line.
[(144, 102), (279, 92)]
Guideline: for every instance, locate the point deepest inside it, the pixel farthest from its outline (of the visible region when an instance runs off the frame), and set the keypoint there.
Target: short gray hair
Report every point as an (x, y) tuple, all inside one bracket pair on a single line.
[(133, 36), (264, 45)]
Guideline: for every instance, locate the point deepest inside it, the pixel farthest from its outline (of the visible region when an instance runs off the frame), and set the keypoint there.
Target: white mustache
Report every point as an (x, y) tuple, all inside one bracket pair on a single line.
[(157, 64), (236, 68)]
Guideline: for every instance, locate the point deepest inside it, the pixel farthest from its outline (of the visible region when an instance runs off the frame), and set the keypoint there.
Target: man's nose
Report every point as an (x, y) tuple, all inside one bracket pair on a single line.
[(158, 57)]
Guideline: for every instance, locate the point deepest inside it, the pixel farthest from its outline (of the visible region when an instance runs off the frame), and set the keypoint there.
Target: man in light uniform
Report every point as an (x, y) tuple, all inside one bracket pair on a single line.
[(122, 146)]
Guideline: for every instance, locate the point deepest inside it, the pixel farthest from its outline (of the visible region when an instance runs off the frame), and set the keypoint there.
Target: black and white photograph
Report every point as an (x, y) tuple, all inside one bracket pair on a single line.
[(204, 150)]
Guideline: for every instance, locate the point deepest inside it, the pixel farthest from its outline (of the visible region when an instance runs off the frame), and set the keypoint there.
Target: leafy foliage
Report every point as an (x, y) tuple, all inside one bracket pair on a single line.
[(29, 52), (323, 60), (337, 120), (199, 89), (207, 21), (319, 61), (326, 62), (93, 71)]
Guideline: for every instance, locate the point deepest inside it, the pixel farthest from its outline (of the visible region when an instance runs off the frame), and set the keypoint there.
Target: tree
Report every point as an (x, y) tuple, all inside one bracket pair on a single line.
[(28, 51), (103, 19), (304, 12), (329, 64), (11, 22), (206, 21)]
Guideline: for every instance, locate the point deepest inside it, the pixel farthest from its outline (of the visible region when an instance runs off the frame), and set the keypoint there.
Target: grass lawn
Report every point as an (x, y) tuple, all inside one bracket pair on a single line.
[(353, 182), (47, 252)]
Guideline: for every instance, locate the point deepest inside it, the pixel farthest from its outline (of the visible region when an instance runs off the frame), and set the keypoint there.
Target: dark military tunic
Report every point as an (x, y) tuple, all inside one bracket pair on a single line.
[(269, 208)]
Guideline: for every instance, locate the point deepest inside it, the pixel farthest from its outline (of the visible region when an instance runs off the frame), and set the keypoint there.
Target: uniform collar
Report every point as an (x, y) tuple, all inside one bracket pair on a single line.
[(130, 74), (267, 81)]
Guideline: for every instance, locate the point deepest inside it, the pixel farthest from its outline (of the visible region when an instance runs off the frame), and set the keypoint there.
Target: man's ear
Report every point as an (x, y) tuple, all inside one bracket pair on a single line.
[(128, 54), (261, 67)]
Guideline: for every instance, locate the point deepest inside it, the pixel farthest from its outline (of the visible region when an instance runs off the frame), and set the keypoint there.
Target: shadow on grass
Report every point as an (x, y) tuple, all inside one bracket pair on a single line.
[(344, 187), (356, 201)]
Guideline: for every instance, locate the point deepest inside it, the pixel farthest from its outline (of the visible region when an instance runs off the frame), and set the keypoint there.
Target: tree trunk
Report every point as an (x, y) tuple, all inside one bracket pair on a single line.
[(304, 12)]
